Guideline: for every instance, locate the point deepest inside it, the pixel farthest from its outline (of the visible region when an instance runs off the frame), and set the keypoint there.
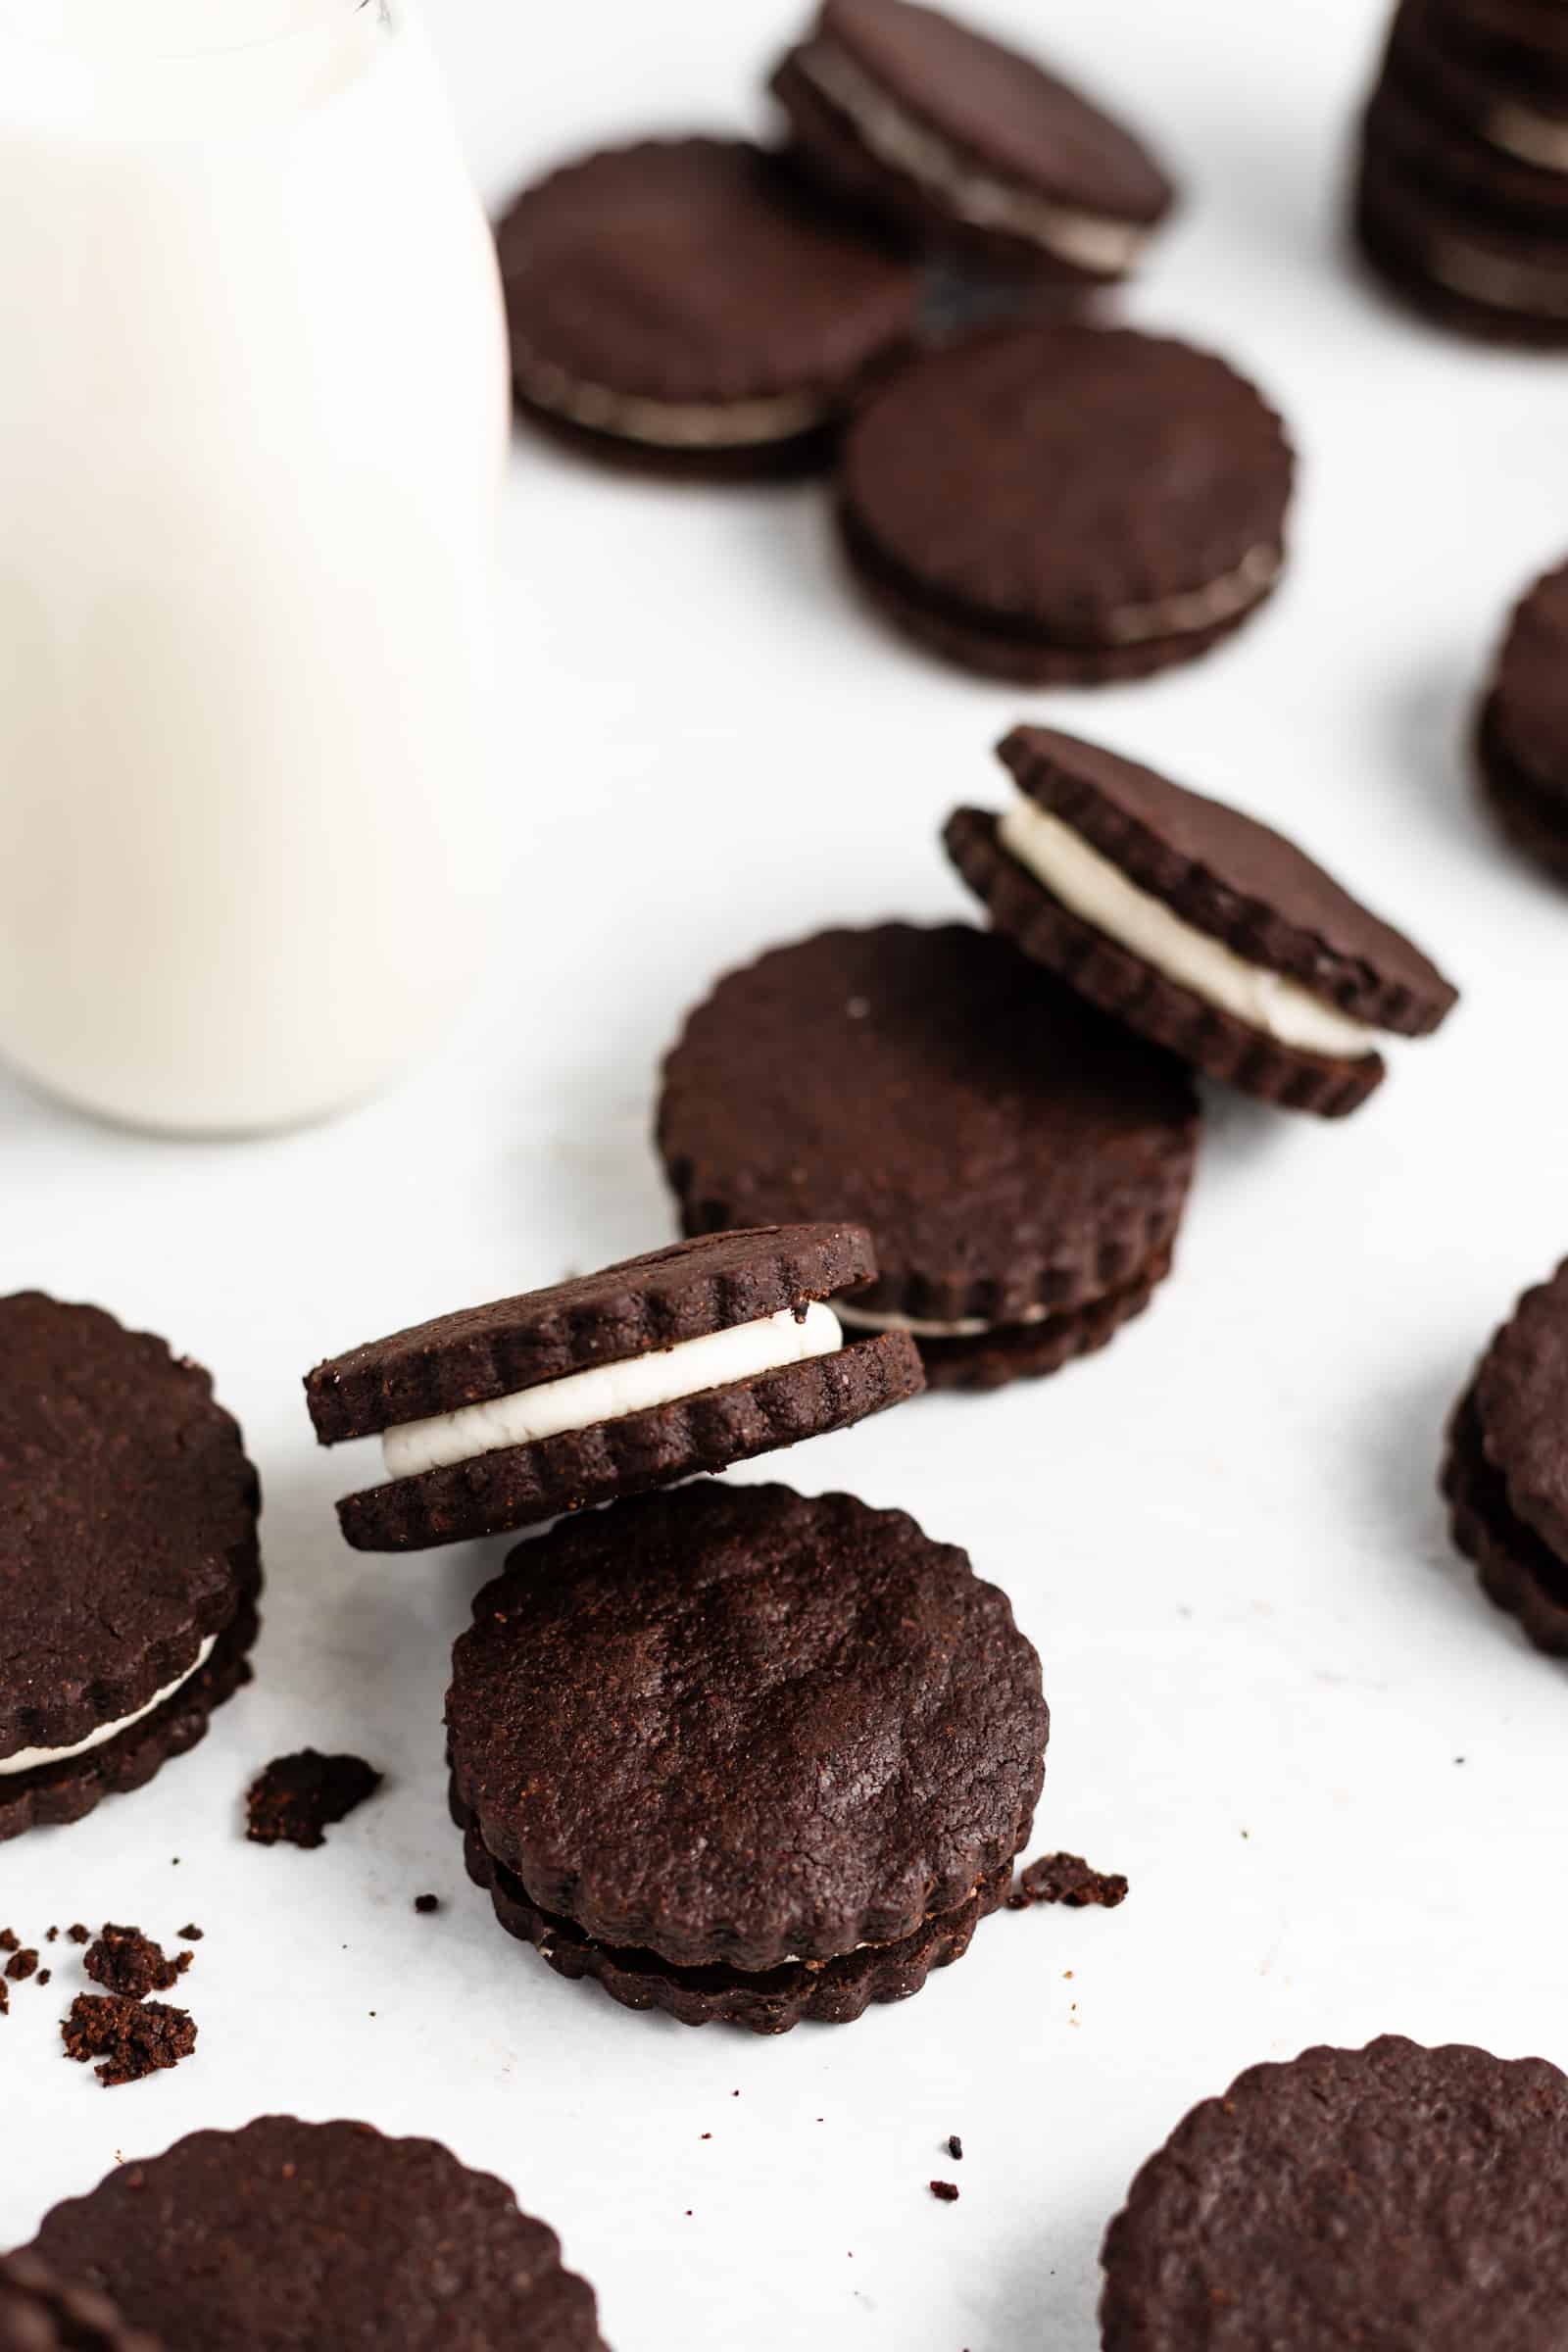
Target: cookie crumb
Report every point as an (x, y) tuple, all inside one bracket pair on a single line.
[(133, 2039), (426, 1904), (191, 1934), (21, 1965), (954, 2147), (10, 1940), (125, 1961), (44, 1975), (79, 1934), (5, 1997), (1066, 1878), (297, 1798), (945, 2192), (53, 1936)]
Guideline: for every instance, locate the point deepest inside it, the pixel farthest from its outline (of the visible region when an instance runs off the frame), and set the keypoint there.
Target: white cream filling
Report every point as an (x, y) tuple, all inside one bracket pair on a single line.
[(920, 1327), (1199, 608), (662, 423), (1534, 138), (27, 1759), (1501, 286), (1090, 887), (611, 1392), (1086, 240)]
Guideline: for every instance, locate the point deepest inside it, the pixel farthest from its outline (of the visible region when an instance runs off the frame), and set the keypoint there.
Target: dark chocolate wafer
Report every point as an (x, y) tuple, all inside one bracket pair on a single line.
[(962, 141), (759, 1737), (296, 2237), (1522, 736), (824, 1992), (129, 1558), (1065, 501), (697, 300), (1395, 2196), (1201, 927), (686, 1359), (1016, 1156), (1519, 1572)]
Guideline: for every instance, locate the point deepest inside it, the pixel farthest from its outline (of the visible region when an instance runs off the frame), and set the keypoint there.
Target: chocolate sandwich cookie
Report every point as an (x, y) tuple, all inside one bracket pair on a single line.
[(129, 1558), (306, 2237), (1462, 268), (687, 1360), (741, 1755), (1523, 736), (38, 2312), (1394, 2197), (1066, 504), (697, 300), (1505, 1475), (1442, 117), (1194, 924), (964, 142), (1430, 149), (1022, 1164)]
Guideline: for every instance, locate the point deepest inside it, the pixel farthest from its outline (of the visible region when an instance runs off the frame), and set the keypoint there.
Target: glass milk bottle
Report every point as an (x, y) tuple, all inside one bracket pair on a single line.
[(253, 420)]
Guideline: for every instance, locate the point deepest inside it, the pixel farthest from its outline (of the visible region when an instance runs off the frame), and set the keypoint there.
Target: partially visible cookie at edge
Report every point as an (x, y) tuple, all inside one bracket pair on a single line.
[(304, 2238), (129, 1561), (1066, 504), (777, 1753), (970, 144)]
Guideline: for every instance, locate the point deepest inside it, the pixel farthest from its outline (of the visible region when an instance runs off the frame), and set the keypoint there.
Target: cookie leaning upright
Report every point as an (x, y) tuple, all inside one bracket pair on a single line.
[(1523, 742), (742, 1755), (1396, 2197), (1506, 1473), (968, 143), (696, 299), (129, 1558), (1197, 926), (310, 2237), (686, 1359), (1066, 505), (1021, 1162)]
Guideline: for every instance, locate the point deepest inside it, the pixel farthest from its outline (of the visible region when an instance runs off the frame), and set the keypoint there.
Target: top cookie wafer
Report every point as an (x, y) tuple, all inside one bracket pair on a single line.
[(1195, 924), (685, 1359), (941, 128), (1067, 502), (696, 296), (295, 2237), (1395, 2198)]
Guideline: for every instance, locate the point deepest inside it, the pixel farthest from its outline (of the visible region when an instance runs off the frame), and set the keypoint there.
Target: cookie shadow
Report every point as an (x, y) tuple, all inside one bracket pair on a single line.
[(1404, 1444), (1430, 722)]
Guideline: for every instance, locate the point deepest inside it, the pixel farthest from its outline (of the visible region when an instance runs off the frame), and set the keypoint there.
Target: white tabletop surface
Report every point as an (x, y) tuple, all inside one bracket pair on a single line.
[(1329, 1769)]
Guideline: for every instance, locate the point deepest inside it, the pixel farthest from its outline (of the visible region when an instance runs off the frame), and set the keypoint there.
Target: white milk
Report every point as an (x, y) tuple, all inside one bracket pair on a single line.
[(253, 415)]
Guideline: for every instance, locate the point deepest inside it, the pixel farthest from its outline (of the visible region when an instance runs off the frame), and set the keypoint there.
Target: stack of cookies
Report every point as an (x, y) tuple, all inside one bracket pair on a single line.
[(1462, 201), (731, 1752)]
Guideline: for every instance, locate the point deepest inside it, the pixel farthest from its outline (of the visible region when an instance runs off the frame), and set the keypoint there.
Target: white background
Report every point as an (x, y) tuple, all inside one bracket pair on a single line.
[(1266, 1663)]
